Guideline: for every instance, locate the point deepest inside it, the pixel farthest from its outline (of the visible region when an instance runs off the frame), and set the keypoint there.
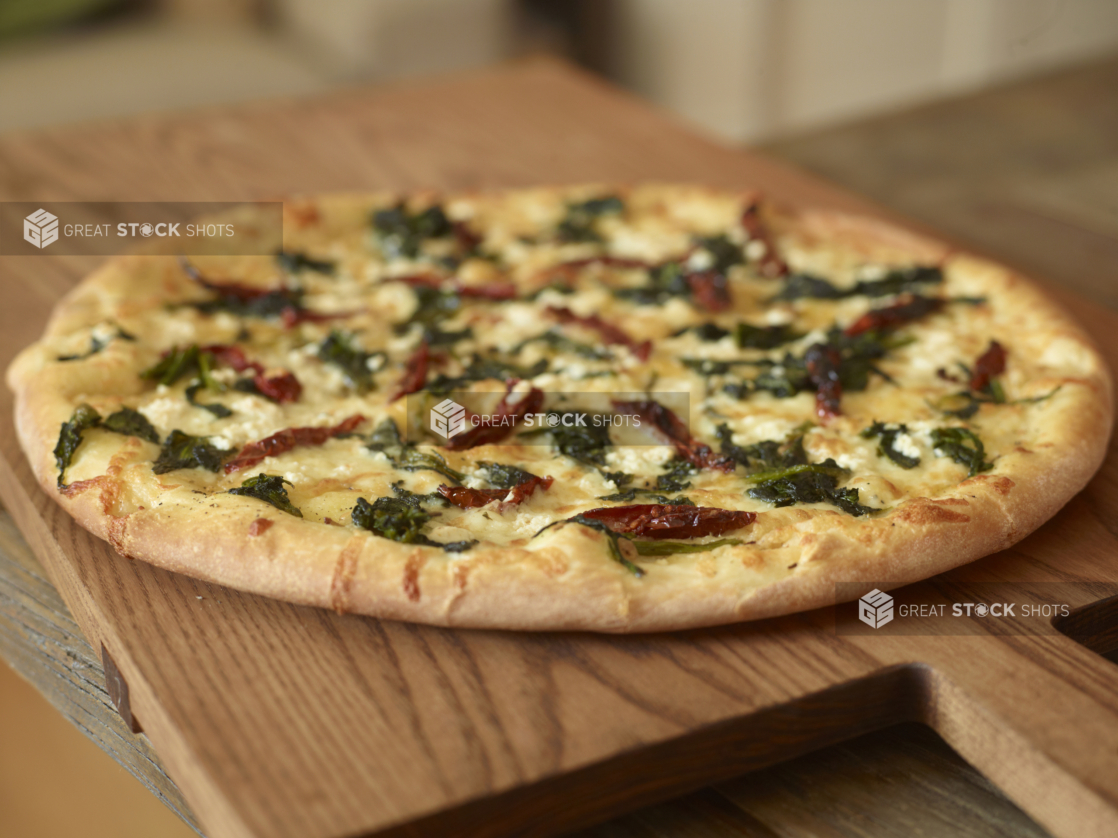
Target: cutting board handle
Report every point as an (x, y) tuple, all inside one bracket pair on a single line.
[(1006, 710)]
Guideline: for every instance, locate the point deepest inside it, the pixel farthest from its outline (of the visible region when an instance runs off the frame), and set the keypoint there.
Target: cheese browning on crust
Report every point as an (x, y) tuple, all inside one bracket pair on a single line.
[(864, 405)]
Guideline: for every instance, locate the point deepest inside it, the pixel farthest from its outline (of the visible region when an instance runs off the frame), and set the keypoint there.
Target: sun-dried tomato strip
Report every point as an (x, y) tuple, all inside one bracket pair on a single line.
[(466, 498), (415, 372), (989, 364), (293, 316), (283, 441), (610, 333), (655, 520), (710, 290), (487, 291), (823, 368), (675, 430), (895, 315), (499, 428), (284, 387), (465, 238), (770, 264)]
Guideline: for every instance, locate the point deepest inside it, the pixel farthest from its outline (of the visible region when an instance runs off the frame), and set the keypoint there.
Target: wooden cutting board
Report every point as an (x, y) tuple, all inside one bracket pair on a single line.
[(277, 720)]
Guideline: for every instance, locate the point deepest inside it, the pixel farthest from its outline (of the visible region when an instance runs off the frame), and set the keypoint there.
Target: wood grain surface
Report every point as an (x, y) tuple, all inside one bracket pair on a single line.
[(278, 720)]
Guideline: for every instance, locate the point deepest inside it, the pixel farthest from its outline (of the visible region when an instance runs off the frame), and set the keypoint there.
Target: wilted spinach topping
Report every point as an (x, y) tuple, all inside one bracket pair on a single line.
[(70, 437), (399, 520), (899, 281), (293, 263), (578, 224), (633, 493), (268, 488), (963, 446), (724, 254), (764, 337), (96, 344), (340, 350), (785, 378), (126, 421), (887, 448), (129, 422), (402, 233), (783, 475), (664, 282), (178, 363), (612, 539), (386, 439), (181, 450), (561, 343)]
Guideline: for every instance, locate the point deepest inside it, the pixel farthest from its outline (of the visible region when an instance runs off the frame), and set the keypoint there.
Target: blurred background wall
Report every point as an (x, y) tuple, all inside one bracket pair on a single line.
[(743, 70)]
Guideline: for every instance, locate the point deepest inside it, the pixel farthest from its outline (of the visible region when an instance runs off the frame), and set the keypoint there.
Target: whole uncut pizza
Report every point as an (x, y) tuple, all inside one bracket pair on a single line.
[(859, 405)]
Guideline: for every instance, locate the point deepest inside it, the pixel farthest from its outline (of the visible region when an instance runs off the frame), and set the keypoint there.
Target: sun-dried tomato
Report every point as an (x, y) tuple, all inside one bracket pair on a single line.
[(503, 420), (610, 334), (415, 372), (823, 369), (989, 364), (770, 264), (466, 498), (710, 290), (283, 441), (895, 315), (284, 387), (675, 430), (656, 520)]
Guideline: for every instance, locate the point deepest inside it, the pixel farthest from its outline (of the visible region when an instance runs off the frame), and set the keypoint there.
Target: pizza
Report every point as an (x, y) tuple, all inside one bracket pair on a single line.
[(691, 407)]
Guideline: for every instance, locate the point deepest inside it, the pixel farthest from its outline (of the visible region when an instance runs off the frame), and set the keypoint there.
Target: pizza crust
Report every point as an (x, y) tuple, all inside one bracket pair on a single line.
[(794, 562)]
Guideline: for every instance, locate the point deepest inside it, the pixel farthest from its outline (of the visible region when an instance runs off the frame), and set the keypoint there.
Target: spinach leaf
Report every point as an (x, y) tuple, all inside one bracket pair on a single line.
[(963, 446), (431, 306), (131, 422), (561, 343), (578, 224), (503, 476), (799, 286), (97, 344), (402, 233), (294, 262), (481, 369), (270, 304), (173, 366), (671, 548), (434, 336), (386, 439), (268, 488), (612, 540), (631, 494), (664, 281), (399, 520), (887, 447), (723, 252), (340, 350), (764, 337), (83, 418), (898, 281), (181, 450), (807, 483), (586, 443), (674, 477), (414, 498)]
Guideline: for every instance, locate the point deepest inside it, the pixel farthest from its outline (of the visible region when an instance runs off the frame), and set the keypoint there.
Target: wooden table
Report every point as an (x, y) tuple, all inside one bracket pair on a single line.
[(898, 782)]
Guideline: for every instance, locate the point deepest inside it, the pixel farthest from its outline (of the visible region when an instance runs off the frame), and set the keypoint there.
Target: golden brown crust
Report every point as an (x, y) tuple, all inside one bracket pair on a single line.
[(568, 584)]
